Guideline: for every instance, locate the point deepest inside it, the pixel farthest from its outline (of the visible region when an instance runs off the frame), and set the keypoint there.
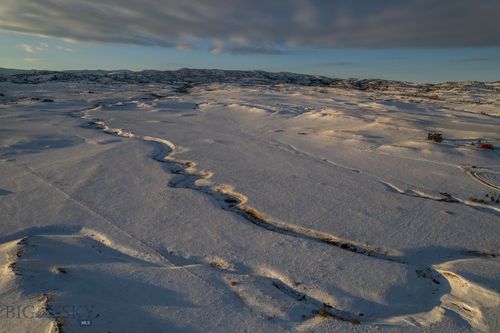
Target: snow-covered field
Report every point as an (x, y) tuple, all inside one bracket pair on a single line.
[(146, 206)]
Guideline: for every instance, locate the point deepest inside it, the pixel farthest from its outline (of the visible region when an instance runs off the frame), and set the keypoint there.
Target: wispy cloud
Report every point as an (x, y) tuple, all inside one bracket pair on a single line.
[(184, 47), (34, 48), (269, 27), (336, 63), (243, 46), (26, 47), (65, 49), (32, 60), (480, 59)]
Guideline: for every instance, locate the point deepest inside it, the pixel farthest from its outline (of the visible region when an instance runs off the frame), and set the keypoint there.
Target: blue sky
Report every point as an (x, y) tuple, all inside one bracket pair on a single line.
[(368, 41)]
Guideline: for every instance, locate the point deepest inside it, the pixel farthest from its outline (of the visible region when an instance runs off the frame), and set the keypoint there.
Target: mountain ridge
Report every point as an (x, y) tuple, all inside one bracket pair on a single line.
[(243, 77)]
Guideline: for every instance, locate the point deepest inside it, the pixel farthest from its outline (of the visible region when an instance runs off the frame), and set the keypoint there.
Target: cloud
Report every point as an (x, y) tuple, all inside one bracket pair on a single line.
[(32, 60), (27, 48), (480, 59), (260, 26), (184, 47), (336, 63), (65, 49), (242, 46), (34, 49)]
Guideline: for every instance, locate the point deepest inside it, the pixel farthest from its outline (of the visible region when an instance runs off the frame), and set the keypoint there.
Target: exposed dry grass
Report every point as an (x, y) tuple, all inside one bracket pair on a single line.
[(253, 213)]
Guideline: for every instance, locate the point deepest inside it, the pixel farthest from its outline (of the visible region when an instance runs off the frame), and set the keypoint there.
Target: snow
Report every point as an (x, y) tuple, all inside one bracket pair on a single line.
[(248, 201)]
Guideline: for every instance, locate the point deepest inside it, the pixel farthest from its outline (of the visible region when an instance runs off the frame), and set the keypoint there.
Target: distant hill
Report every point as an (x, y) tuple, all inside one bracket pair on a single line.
[(205, 76)]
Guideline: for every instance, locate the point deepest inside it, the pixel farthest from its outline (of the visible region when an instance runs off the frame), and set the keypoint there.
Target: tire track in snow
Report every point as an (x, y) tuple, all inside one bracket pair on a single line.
[(478, 175), (445, 197)]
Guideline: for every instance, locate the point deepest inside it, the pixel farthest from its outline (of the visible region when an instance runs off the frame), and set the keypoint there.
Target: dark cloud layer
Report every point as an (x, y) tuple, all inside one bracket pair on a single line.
[(261, 26)]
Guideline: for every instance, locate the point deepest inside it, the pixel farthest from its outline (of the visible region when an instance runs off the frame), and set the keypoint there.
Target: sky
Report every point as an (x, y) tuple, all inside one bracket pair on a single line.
[(413, 40)]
